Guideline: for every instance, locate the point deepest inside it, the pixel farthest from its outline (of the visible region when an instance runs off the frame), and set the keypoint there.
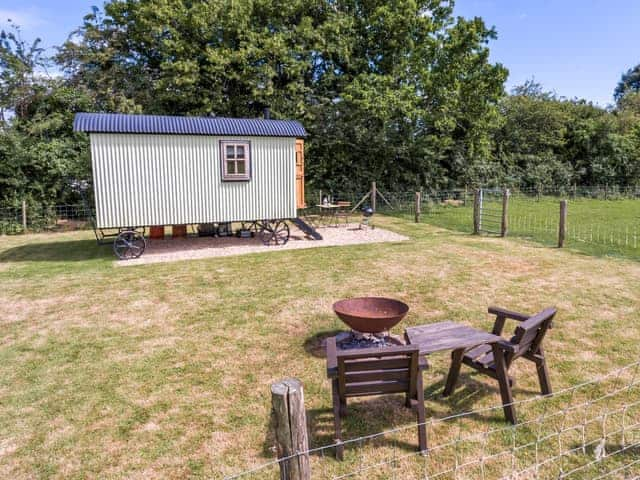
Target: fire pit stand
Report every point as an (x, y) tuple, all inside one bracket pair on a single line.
[(370, 319), (354, 339)]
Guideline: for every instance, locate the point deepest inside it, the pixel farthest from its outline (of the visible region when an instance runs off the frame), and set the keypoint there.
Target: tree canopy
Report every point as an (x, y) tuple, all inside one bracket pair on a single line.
[(401, 92), (396, 90), (629, 83)]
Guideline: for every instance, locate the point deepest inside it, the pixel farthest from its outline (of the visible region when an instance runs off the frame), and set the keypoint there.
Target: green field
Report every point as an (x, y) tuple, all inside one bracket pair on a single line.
[(163, 371), (594, 226)]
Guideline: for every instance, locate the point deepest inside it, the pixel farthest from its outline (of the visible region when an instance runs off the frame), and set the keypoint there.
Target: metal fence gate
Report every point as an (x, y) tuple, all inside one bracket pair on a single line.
[(490, 211)]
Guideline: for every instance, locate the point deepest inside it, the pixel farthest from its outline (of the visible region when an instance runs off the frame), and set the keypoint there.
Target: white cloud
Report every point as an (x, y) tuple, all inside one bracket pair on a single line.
[(26, 18)]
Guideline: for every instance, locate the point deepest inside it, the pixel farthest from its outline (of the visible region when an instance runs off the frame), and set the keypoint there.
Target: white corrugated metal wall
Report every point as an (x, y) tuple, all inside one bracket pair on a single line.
[(142, 180)]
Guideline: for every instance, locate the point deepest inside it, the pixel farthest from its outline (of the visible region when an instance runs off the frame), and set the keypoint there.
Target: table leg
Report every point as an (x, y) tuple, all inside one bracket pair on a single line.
[(503, 381), (334, 218), (454, 371)]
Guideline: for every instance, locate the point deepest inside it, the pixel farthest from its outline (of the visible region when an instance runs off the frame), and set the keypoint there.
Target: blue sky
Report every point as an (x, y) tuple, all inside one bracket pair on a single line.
[(577, 48)]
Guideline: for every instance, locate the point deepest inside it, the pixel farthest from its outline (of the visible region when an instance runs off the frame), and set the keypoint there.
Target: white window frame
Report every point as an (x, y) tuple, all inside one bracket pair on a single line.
[(235, 177)]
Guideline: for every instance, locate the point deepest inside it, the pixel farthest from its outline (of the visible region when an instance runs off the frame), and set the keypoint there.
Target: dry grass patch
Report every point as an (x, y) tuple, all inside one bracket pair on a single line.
[(163, 371)]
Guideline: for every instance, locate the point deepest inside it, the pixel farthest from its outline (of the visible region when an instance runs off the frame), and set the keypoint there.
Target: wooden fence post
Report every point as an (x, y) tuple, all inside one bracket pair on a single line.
[(562, 226), (476, 212), (504, 227), (290, 418), (418, 206), (24, 216), (374, 195)]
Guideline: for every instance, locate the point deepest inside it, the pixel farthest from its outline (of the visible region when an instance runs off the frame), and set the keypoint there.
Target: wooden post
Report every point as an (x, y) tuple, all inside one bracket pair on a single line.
[(464, 201), (505, 210), (366, 195), (374, 195), (476, 212), (24, 216), (418, 206), (290, 421), (562, 227)]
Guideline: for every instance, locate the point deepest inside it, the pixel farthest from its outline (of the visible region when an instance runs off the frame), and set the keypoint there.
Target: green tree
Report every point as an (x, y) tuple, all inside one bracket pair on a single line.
[(38, 150), (629, 82), (549, 141), (19, 64), (226, 57), (397, 91)]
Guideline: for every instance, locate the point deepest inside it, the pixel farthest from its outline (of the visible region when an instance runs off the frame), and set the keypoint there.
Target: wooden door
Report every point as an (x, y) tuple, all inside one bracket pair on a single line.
[(300, 173)]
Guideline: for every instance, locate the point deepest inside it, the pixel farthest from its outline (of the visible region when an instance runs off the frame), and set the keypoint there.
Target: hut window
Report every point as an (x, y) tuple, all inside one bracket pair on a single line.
[(236, 160)]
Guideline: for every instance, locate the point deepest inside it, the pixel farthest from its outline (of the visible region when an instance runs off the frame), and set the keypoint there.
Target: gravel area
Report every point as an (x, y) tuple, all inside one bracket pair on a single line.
[(170, 250)]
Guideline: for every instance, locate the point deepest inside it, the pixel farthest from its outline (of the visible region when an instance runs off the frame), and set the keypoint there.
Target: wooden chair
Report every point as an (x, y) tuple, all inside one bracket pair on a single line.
[(495, 360), (375, 371)]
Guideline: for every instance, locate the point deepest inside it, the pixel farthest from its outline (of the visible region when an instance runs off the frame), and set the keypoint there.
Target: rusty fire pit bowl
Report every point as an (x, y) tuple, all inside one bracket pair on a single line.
[(370, 314)]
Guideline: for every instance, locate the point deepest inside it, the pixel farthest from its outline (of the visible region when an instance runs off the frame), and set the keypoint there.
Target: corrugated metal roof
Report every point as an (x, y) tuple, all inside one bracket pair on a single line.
[(162, 124)]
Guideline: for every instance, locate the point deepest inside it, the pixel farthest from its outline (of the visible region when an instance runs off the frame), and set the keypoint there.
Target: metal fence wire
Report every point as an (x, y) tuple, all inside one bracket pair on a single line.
[(591, 430), (39, 218), (603, 219)]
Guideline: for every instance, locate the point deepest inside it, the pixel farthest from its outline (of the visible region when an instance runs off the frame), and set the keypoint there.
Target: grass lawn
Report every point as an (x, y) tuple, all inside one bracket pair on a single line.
[(163, 370), (594, 226)]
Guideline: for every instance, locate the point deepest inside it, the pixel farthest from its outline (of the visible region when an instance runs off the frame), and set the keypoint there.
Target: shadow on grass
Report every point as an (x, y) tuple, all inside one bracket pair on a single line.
[(472, 388), (58, 251), (316, 345), (368, 416), (364, 417)]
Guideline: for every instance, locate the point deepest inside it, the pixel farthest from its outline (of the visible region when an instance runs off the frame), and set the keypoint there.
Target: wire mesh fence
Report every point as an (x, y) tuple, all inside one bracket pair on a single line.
[(601, 219), (591, 430), (451, 209), (594, 224), (37, 218)]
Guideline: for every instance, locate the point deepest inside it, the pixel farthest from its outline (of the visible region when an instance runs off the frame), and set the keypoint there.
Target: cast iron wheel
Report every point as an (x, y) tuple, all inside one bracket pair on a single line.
[(129, 244), (274, 232)]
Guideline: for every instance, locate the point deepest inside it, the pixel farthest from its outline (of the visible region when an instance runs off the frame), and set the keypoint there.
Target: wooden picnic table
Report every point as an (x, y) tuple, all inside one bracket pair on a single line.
[(435, 337), (329, 213), (442, 336), (458, 338)]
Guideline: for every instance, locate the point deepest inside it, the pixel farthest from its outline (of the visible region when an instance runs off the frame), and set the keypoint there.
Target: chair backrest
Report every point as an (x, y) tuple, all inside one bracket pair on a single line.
[(530, 333), (376, 371)]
